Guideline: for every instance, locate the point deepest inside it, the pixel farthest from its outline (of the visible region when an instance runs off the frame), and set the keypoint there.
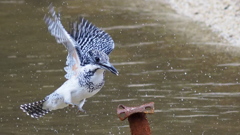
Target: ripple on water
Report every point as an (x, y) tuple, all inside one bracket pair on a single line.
[(124, 100), (182, 109), (12, 2), (221, 106), (160, 71), (160, 111), (140, 85), (172, 70), (82, 115), (219, 94), (52, 70), (147, 90), (152, 90), (229, 112), (191, 98), (12, 56), (121, 27), (141, 44), (196, 115), (152, 96), (37, 56), (32, 56), (129, 63), (185, 59), (48, 86), (212, 84), (229, 65)]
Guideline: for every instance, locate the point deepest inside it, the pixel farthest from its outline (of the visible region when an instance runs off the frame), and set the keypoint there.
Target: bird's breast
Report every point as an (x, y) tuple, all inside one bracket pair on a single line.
[(97, 80), (92, 80), (98, 76)]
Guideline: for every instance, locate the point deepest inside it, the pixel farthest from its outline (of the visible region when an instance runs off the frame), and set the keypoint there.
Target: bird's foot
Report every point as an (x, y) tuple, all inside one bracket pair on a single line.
[(81, 105), (81, 110), (70, 104)]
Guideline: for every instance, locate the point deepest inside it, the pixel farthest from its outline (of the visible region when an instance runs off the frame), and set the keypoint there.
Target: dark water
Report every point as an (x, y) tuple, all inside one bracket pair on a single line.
[(161, 57)]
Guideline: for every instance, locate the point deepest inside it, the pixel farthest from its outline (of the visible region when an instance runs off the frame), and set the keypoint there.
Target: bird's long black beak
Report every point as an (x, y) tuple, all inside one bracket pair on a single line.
[(111, 68)]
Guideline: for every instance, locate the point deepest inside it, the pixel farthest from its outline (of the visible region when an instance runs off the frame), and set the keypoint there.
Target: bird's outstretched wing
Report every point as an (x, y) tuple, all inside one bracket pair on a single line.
[(89, 37), (57, 30), (83, 37)]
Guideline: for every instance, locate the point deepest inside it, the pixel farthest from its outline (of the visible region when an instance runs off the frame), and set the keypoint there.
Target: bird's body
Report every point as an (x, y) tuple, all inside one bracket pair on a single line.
[(88, 48), (74, 90)]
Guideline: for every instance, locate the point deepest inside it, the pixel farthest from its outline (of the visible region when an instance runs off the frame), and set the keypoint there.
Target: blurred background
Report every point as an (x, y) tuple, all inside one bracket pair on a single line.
[(190, 72)]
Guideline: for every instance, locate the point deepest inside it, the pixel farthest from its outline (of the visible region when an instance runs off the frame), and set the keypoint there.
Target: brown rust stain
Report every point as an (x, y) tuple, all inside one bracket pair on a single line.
[(139, 124)]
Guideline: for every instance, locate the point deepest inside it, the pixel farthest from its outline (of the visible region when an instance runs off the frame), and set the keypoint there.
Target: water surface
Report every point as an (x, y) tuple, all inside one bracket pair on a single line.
[(163, 58)]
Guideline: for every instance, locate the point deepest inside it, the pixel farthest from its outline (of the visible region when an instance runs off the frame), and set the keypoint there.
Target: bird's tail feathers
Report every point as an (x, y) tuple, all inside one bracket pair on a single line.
[(35, 109)]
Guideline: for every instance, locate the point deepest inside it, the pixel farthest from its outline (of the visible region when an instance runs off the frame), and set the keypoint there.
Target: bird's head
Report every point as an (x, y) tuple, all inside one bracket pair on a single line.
[(101, 59)]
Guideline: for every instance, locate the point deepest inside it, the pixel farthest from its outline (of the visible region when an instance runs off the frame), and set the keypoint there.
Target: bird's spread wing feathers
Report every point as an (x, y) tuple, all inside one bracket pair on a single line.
[(57, 30), (83, 37), (89, 37)]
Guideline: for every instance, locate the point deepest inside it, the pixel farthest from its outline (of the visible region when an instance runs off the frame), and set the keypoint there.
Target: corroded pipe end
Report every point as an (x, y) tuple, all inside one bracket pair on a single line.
[(124, 111)]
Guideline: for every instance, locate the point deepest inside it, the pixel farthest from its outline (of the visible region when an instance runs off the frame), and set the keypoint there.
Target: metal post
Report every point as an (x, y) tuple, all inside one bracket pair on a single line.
[(136, 117)]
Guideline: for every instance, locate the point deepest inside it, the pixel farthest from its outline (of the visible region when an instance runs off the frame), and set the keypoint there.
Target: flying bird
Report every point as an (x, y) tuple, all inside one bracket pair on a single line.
[(87, 60)]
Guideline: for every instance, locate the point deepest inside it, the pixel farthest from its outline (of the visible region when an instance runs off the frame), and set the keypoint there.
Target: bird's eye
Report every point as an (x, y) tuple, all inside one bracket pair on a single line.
[(97, 59)]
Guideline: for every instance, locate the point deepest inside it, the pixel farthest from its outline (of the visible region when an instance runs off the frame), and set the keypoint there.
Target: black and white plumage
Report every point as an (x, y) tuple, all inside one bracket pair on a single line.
[(35, 109), (88, 49)]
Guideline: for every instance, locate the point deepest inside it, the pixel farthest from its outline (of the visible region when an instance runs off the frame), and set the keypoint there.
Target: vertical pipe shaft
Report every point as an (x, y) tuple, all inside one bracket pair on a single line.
[(139, 124)]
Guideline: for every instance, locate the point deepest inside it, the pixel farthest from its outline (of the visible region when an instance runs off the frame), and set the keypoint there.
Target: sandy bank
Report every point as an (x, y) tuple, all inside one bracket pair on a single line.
[(222, 16)]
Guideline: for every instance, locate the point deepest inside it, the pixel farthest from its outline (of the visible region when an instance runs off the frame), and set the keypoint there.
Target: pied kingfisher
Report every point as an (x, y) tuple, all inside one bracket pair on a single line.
[(88, 49)]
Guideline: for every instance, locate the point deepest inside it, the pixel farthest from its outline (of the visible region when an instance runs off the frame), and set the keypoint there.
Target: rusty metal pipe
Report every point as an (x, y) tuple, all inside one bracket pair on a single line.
[(136, 117)]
